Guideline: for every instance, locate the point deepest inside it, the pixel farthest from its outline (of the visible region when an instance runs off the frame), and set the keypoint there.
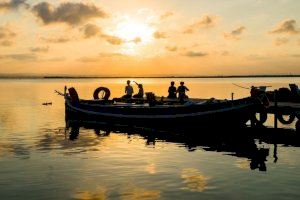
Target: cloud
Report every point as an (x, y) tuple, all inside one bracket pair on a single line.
[(137, 40), (5, 33), (159, 35), (113, 54), (235, 34), (280, 41), (114, 40), (195, 54), (39, 49), (19, 57), (171, 48), (288, 26), (225, 53), (56, 39), (206, 21), (256, 57), (91, 30), (296, 55), (101, 55), (56, 59), (6, 36), (13, 4), (69, 13), (166, 15), (6, 43), (88, 59)]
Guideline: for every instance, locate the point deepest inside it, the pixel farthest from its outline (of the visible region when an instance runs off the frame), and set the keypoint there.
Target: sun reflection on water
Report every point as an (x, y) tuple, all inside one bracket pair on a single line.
[(195, 181)]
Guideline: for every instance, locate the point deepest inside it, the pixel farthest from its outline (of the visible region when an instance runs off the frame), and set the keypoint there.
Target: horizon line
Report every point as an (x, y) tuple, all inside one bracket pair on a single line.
[(2, 76)]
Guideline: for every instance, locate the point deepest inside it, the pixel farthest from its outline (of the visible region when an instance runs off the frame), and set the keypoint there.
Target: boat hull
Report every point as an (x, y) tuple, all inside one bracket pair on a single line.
[(217, 116)]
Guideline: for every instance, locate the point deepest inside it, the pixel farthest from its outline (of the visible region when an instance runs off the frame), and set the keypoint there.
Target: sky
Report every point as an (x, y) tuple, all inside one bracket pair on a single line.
[(149, 37)]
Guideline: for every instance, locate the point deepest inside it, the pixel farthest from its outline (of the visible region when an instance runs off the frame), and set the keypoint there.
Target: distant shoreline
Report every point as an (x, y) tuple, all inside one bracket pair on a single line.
[(155, 77)]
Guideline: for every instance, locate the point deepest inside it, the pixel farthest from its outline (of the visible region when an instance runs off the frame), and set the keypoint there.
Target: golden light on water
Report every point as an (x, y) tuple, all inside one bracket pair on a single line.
[(242, 164), (98, 194), (195, 181)]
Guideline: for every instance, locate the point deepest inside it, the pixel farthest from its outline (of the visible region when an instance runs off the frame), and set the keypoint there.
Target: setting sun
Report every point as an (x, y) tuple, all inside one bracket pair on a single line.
[(134, 31)]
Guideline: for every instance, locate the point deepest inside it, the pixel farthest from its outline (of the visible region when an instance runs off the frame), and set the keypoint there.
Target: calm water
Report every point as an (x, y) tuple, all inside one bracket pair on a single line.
[(39, 159)]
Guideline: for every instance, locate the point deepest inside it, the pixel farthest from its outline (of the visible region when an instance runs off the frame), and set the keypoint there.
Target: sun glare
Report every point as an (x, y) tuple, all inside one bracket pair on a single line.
[(134, 31)]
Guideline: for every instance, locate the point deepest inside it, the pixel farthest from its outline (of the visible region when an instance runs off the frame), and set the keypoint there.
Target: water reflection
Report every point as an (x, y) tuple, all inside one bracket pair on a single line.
[(132, 192), (38, 156), (100, 193), (18, 150), (67, 140), (195, 181), (242, 143), (128, 192)]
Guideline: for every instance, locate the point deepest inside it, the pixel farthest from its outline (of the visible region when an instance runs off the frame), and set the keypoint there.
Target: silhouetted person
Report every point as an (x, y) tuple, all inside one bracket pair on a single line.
[(181, 92), (128, 90), (140, 94), (172, 90)]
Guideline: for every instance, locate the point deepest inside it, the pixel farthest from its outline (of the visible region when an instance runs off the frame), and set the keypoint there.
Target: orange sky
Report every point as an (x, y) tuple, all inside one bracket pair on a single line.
[(149, 37)]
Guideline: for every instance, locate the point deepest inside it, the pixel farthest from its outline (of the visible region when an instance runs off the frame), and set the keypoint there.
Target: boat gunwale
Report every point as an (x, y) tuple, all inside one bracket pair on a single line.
[(164, 116)]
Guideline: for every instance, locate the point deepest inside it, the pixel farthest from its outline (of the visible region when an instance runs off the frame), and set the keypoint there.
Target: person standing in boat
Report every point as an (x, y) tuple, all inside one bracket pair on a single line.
[(172, 91), (181, 92), (140, 94), (128, 90)]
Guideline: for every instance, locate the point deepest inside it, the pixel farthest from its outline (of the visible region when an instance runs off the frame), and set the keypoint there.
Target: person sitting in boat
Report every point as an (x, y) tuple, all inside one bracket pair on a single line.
[(140, 94), (172, 91), (181, 91), (128, 90)]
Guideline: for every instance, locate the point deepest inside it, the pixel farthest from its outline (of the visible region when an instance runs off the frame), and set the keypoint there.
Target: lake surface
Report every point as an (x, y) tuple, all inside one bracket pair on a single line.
[(41, 159)]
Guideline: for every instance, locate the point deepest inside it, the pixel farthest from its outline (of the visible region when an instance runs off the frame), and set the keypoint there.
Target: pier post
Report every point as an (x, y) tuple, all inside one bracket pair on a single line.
[(275, 110), (232, 96)]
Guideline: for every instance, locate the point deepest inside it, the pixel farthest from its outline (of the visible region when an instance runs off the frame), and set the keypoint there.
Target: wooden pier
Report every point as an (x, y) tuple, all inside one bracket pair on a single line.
[(284, 112), (285, 108)]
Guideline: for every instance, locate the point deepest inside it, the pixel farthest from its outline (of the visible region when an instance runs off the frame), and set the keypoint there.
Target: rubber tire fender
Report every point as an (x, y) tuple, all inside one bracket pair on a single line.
[(289, 121), (263, 116), (98, 90)]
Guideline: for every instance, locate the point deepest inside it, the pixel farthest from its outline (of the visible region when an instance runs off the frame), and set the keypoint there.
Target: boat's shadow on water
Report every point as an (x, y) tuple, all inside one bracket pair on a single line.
[(242, 142)]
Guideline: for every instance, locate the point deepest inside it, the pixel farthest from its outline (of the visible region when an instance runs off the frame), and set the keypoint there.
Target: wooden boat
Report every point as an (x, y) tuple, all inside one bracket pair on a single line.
[(162, 113)]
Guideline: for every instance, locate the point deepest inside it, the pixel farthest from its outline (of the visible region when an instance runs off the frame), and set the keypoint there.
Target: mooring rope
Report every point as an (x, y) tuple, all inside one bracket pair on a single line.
[(241, 86), (58, 92)]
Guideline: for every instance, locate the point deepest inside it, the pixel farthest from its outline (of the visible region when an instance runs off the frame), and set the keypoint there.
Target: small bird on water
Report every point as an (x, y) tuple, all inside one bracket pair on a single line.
[(47, 103)]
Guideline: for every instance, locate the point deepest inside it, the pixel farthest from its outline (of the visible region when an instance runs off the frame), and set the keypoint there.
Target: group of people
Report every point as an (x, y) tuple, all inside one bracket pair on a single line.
[(180, 90), (129, 91), (172, 91)]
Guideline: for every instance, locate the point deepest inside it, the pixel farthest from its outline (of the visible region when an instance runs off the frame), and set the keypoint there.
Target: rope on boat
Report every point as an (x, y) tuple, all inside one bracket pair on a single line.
[(241, 86), (59, 93)]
